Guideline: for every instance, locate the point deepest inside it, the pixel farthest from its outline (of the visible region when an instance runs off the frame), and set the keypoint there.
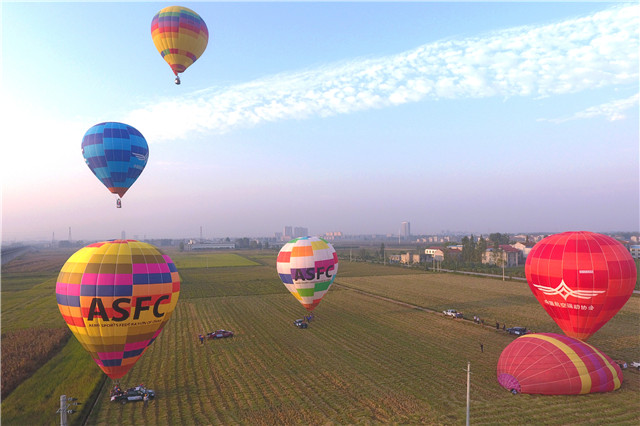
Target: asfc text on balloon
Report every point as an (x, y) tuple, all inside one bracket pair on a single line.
[(97, 308)]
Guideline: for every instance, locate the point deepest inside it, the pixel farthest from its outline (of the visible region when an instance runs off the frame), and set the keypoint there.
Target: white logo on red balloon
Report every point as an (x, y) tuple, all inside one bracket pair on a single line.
[(565, 291)]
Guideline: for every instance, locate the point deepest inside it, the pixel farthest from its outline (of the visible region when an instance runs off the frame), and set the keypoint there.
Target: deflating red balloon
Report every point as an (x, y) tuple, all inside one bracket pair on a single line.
[(581, 279), (552, 364)]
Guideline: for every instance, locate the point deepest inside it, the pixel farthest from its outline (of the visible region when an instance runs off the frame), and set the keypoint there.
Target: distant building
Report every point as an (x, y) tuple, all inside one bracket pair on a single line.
[(635, 251), (434, 253), (291, 232), (299, 231), (332, 236), (197, 246), (405, 230), (409, 258), (287, 234), (524, 248), (510, 256)]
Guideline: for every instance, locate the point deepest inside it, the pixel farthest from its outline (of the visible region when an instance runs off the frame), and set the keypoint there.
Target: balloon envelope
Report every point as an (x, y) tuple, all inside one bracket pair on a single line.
[(180, 35), (116, 153), (582, 279), (307, 267), (116, 296), (553, 364)]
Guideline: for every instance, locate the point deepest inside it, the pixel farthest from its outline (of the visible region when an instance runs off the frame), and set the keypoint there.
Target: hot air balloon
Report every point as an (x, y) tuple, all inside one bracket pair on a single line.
[(581, 279), (116, 296), (116, 153), (307, 267), (552, 364), (180, 35)]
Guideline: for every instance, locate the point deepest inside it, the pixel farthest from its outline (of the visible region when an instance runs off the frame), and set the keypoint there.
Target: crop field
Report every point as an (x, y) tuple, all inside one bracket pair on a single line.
[(362, 359), (206, 260)]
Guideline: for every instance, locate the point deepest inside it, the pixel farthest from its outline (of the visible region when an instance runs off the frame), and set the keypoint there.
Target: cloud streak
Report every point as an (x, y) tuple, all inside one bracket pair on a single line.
[(611, 111), (562, 58)]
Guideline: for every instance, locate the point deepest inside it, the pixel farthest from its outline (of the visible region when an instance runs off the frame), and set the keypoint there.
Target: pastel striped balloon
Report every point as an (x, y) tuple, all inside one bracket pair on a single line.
[(553, 364), (581, 279), (307, 267), (116, 296)]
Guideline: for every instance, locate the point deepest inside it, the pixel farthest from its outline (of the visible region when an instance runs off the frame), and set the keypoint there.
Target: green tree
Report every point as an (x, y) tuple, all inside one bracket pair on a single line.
[(480, 249), (498, 238), (468, 249), (364, 255)]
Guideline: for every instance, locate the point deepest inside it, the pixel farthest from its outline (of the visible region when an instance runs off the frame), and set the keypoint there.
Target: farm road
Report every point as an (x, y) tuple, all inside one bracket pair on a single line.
[(397, 302), (10, 253)]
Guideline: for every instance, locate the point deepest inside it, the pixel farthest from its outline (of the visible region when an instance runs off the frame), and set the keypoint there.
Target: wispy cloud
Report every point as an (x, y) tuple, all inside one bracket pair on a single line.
[(611, 111), (567, 57)]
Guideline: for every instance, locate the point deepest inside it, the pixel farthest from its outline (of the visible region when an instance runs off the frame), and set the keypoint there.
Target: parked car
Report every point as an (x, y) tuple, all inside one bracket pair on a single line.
[(219, 334), (300, 323), (622, 364), (635, 365), (452, 313), (519, 331), (137, 393)]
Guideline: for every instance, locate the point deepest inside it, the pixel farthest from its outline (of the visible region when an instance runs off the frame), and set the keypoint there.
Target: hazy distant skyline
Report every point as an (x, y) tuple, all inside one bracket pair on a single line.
[(351, 117)]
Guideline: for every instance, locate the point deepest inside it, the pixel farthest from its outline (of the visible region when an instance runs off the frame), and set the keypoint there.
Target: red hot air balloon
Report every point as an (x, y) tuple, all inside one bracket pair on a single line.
[(552, 364), (581, 279)]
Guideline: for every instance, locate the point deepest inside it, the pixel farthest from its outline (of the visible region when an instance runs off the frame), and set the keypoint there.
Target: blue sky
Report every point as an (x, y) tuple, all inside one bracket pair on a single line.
[(352, 117)]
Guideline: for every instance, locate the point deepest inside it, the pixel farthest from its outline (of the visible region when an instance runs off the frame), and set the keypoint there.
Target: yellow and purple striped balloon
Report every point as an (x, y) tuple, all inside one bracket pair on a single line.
[(116, 296), (552, 364), (307, 267)]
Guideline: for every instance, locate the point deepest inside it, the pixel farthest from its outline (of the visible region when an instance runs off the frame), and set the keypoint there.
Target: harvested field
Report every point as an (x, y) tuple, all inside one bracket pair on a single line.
[(362, 359)]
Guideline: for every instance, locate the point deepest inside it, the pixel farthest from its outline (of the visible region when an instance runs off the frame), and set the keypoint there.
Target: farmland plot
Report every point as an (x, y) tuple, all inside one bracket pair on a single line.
[(361, 360), (510, 303)]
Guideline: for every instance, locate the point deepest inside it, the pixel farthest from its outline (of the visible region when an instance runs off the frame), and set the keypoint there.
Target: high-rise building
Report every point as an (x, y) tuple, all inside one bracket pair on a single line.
[(299, 231), (405, 229), (288, 233), (294, 232)]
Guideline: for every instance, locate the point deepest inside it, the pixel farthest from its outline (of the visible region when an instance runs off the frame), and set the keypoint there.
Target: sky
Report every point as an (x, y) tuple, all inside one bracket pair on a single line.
[(354, 117)]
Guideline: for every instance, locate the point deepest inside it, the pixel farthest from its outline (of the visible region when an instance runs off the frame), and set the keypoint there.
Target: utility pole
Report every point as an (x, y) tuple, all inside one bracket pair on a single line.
[(468, 383), (65, 403), (63, 410)]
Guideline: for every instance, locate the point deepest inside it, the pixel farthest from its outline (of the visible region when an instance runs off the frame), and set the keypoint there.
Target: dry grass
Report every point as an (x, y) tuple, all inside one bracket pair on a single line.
[(24, 351)]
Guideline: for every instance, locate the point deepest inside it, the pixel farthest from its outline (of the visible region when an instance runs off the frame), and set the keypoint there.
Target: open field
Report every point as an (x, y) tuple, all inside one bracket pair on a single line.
[(362, 360), (205, 260)]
